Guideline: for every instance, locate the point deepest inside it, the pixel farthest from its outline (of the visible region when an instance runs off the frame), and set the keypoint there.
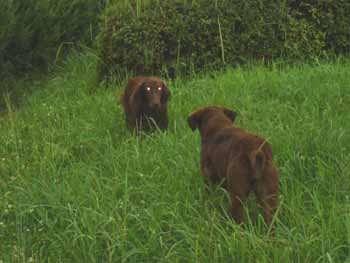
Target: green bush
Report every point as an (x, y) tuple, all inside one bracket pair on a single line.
[(194, 35), (33, 32)]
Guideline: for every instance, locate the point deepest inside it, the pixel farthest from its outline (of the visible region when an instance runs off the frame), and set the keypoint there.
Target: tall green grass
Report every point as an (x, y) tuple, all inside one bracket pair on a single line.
[(76, 186)]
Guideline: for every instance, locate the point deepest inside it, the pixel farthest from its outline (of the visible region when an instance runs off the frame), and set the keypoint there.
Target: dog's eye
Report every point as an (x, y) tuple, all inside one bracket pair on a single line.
[(148, 88), (159, 88)]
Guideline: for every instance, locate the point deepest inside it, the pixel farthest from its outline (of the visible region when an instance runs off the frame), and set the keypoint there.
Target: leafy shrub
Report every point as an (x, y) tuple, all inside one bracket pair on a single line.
[(194, 35), (32, 32), (331, 17)]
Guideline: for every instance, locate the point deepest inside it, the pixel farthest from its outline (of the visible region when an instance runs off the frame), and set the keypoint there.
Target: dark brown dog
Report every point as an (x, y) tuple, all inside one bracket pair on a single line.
[(243, 159), (145, 103)]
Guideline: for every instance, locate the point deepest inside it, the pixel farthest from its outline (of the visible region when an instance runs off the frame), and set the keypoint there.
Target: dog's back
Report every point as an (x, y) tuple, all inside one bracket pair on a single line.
[(233, 147)]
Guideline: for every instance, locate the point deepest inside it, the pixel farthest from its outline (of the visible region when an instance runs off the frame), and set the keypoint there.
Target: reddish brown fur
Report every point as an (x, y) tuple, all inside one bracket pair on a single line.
[(143, 108), (243, 159)]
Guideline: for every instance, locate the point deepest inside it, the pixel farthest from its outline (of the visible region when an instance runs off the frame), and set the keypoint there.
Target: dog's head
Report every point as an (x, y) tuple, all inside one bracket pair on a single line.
[(153, 93), (200, 116)]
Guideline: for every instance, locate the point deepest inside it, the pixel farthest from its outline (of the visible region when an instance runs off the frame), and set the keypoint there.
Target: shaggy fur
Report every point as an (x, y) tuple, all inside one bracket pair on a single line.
[(242, 159), (145, 103)]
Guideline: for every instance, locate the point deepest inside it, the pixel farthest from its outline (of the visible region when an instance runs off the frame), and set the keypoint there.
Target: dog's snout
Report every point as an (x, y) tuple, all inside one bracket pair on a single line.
[(155, 105), (155, 102)]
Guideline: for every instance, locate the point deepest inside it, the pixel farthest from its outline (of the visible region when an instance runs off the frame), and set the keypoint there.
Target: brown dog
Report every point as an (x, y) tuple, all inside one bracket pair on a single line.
[(243, 159), (145, 103)]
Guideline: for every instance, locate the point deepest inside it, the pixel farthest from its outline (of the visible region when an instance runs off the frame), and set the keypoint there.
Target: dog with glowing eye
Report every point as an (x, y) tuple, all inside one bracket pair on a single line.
[(145, 103)]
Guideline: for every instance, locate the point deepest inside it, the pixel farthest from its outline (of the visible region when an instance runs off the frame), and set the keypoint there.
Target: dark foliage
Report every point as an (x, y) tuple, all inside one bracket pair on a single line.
[(168, 35), (36, 33), (33, 33)]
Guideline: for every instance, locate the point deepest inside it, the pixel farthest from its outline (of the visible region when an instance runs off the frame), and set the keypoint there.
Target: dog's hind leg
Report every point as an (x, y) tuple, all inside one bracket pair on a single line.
[(238, 186), (266, 191)]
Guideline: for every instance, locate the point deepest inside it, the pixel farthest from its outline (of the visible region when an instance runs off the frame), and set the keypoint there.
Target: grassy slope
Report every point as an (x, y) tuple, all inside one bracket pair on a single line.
[(76, 186)]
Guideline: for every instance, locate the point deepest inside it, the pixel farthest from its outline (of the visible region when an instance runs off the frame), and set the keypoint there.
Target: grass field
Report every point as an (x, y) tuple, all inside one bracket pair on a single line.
[(76, 186)]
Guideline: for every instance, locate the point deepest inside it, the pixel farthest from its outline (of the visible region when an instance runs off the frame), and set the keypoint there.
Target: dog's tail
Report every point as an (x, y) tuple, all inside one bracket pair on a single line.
[(257, 161)]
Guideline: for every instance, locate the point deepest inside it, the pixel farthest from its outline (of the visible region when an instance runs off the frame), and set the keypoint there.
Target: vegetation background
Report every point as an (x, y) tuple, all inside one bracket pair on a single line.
[(76, 186)]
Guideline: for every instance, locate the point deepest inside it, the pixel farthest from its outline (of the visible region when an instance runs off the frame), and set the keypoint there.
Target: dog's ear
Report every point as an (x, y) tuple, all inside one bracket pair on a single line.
[(193, 120), (137, 97), (166, 94), (230, 114), (140, 90)]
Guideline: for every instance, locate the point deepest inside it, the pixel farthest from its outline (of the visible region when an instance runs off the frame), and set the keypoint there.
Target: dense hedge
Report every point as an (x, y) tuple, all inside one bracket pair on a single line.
[(32, 31), (35, 33), (203, 33)]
